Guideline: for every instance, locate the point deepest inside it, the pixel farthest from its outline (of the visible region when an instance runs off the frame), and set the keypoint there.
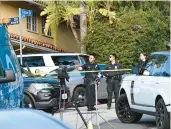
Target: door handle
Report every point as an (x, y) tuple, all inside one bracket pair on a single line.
[(157, 83), (142, 81)]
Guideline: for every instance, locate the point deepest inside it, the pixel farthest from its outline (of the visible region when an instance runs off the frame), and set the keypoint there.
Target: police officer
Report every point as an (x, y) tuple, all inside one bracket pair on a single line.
[(89, 81), (113, 79)]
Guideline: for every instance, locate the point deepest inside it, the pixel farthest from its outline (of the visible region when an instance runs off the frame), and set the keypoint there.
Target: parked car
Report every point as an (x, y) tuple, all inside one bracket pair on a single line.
[(148, 93), (11, 81), (30, 119), (49, 61), (42, 92)]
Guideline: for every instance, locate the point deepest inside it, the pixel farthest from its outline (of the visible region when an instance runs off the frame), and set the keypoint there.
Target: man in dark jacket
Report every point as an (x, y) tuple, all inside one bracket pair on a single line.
[(113, 79), (90, 80)]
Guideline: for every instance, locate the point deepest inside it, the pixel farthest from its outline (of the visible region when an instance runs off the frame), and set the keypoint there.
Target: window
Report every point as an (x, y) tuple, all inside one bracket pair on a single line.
[(159, 64), (165, 71), (65, 60), (84, 59), (150, 64), (43, 27), (32, 23), (35, 61)]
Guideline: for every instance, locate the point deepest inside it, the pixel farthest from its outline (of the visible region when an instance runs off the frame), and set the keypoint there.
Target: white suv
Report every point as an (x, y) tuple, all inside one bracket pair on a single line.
[(50, 61), (148, 93)]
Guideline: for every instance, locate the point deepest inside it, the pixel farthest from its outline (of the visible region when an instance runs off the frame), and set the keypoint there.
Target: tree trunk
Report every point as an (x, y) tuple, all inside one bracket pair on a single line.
[(74, 30), (83, 26)]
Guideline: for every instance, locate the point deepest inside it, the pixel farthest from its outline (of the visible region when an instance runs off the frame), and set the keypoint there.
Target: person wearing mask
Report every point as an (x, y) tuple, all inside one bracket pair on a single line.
[(89, 81), (113, 78)]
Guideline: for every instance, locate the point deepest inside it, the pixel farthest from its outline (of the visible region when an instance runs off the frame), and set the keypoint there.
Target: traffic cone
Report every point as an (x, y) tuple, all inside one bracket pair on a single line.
[(90, 125)]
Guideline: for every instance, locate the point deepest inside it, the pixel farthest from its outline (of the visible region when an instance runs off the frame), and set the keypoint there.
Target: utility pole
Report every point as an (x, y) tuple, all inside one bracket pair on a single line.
[(83, 26), (21, 59)]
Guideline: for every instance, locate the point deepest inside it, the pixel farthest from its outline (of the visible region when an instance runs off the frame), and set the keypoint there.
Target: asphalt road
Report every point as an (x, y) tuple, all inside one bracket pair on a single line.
[(147, 122), (71, 117)]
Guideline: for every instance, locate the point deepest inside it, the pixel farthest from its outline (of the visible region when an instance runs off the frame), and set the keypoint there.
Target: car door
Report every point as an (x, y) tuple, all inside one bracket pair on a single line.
[(148, 85), (164, 81), (141, 85)]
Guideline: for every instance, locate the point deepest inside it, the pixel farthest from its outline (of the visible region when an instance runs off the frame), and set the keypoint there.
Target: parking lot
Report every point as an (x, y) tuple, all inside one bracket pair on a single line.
[(70, 116)]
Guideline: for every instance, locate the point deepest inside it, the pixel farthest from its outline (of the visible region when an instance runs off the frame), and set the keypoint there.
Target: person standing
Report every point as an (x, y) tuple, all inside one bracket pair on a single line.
[(113, 79), (89, 81)]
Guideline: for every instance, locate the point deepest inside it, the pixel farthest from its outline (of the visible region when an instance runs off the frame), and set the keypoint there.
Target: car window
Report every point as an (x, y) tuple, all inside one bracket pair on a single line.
[(84, 59), (35, 61), (165, 70), (65, 60), (150, 64), (159, 64)]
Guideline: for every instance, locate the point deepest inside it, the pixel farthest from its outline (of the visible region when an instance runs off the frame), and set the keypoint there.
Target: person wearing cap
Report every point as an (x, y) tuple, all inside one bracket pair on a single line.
[(113, 78)]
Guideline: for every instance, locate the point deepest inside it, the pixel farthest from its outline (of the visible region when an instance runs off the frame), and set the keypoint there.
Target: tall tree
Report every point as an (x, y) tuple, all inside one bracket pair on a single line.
[(58, 11)]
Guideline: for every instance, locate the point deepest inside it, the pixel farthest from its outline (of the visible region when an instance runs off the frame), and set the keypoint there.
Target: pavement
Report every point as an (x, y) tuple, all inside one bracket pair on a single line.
[(71, 117)]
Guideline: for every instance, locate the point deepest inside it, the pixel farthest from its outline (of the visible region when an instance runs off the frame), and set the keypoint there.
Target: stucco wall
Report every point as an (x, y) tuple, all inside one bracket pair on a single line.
[(65, 37)]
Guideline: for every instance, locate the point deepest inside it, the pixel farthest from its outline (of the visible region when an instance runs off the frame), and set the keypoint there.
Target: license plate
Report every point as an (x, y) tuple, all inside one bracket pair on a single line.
[(64, 96)]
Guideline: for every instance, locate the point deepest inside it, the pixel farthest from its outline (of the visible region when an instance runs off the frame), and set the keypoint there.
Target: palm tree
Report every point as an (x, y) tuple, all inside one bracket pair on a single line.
[(59, 11)]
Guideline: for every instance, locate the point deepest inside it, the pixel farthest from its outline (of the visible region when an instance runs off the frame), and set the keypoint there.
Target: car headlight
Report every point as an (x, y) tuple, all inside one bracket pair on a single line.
[(36, 87)]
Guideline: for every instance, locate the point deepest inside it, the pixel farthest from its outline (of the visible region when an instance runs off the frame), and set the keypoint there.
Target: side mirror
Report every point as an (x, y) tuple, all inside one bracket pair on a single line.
[(135, 70), (9, 77)]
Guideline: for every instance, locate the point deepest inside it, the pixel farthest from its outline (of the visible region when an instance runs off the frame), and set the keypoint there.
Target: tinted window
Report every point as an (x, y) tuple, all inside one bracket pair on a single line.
[(65, 60), (159, 65), (35, 61), (84, 59)]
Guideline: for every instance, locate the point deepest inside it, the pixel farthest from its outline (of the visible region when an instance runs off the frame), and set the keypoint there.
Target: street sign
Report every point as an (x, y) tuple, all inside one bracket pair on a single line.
[(14, 21), (11, 21), (25, 13)]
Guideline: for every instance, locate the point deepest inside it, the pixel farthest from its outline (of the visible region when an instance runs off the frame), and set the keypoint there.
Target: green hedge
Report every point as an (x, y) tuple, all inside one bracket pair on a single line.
[(133, 32)]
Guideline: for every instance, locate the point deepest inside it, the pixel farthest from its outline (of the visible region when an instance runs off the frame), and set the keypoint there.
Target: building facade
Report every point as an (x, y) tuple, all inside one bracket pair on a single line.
[(33, 37)]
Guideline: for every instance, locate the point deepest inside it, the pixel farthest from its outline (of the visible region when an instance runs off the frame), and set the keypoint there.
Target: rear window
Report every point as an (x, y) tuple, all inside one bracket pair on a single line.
[(65, 60), (35, 61)]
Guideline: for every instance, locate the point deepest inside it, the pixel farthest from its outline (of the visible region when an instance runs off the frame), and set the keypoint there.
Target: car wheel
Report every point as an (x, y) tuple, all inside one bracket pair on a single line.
[(28, 103), (124, 112), (162, 116), (79, 96)]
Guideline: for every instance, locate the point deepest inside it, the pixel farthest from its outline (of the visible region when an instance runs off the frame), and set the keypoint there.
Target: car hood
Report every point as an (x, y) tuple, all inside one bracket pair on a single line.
[(129, 77), (30, 119)]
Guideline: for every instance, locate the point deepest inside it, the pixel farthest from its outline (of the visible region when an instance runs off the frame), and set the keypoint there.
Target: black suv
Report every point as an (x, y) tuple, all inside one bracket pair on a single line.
[(42, 92)]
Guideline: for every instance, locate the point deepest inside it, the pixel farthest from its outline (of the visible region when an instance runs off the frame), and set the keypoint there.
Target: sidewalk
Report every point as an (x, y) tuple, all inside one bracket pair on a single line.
[(70, 116)]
